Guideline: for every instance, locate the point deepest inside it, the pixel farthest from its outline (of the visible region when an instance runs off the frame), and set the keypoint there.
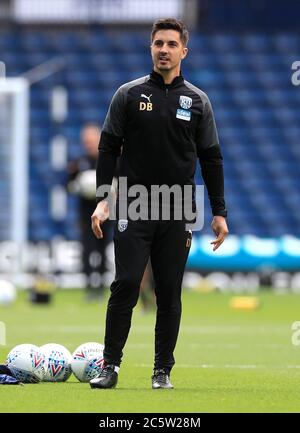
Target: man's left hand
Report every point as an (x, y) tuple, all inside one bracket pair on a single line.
[(220, 229)]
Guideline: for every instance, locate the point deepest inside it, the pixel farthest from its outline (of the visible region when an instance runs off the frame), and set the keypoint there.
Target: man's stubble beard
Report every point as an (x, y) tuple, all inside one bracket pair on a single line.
[(164, 68)]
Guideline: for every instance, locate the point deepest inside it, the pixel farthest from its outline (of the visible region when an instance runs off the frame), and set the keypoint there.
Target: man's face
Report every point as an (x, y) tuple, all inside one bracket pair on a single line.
[(167, 50), (90, 137)]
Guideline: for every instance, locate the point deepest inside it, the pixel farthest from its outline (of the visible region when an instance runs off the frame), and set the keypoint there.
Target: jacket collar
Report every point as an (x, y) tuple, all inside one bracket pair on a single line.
[(158, 79)]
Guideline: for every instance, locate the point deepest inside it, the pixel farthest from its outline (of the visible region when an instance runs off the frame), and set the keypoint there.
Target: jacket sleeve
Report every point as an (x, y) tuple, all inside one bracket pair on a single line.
[(111, 141), (210, 158)]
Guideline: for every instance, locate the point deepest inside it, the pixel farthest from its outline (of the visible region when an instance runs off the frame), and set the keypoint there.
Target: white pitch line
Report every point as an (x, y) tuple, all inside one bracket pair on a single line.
[(147, 329), (229, 366), (216, 345), (58, 329), (235, 366)]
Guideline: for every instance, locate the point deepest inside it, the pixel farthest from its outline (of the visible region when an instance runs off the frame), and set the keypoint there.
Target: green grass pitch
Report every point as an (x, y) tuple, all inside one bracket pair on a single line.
[(226, 360)]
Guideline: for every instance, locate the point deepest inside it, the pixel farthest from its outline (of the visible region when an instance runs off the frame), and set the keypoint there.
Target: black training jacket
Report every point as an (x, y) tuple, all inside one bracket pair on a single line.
[(160, 130)]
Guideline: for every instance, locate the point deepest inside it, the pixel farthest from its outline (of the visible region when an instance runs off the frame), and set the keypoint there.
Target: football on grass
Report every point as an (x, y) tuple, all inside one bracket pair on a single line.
[(57, 361), (27, 363), (87, 361)]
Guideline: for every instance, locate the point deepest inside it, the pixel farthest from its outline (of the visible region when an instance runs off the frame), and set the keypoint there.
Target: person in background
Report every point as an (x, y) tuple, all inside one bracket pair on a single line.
[(82, 181)]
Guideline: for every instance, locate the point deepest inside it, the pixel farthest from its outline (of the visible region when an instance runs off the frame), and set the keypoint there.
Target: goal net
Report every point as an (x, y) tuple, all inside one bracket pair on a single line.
[(14, 128)]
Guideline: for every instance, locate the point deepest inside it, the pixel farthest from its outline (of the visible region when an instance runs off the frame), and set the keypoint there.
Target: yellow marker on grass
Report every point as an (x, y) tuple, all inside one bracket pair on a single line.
[(244, 302)]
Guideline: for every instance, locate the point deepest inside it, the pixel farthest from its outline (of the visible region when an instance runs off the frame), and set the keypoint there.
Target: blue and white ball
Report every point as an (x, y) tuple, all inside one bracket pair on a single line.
[(27, 363), (57, 361), (87, 361)]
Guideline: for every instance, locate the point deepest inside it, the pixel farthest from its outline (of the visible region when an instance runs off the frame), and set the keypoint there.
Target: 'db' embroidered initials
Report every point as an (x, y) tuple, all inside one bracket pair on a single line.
[(146, 106)]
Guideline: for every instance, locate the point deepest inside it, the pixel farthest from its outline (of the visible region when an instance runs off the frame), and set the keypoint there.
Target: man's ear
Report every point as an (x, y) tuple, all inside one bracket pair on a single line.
[(185, 52)]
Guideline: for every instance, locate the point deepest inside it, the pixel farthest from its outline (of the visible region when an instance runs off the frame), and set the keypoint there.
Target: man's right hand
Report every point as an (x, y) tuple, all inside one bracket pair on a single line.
[(101, 213)]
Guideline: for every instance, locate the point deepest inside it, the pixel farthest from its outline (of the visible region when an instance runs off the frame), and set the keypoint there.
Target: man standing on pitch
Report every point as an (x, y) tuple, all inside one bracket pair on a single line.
[(163, 124)]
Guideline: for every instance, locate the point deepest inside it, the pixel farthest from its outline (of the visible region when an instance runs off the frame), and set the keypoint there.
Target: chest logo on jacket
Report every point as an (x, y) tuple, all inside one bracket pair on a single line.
[(146, 105), (185, 102)]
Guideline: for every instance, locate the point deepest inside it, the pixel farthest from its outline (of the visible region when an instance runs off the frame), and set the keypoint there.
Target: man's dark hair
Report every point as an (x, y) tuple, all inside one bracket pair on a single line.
[(171, 24)]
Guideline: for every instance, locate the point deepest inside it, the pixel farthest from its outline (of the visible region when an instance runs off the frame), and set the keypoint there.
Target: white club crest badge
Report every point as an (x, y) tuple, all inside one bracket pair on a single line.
[(122, 225), (185, 102)]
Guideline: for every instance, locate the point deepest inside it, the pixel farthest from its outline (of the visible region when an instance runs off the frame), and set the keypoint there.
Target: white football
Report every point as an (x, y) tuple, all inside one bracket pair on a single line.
[(87, 361), (27, 363), (86, 184), (57, 362), (8, 292)]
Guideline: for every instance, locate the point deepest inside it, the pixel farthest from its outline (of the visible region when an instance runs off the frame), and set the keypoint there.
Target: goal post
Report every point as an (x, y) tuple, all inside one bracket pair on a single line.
[(14, 137)]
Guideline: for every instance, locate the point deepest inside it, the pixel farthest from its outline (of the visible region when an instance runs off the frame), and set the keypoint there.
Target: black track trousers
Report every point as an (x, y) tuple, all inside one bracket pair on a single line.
[(168, 244)]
